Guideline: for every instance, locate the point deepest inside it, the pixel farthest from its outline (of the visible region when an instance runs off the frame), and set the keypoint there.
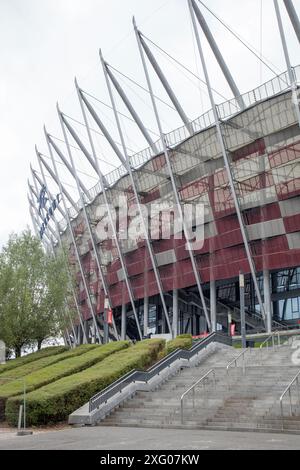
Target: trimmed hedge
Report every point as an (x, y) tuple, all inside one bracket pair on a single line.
[(61, 369), (182, 342), (20, 361), (24, 371), (32, 366), (54, 402)]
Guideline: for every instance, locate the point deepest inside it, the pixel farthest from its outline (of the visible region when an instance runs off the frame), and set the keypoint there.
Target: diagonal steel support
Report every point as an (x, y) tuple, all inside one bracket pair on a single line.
[(78, 140), (293, 17), (217, 53), (40, 216), (173, 182), (33, 192), (80, 144), (36, 218), (227, 164), (104, 192), (292, 77), (53, 176), (43, 180), (91, 235), (136, 195), (67, 313), (51, 198), (165, 83), (46, 243), (35, 221), (99, 123), (90, 303), (34, 182), (130, 108), (66, 163), (50, 248)]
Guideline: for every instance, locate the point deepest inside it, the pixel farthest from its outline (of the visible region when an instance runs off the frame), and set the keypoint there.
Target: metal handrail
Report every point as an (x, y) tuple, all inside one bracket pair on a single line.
[(132, 376), (282, 326), (234, 361), (288, 389), (144, 376), (255, 315), (192, 388)]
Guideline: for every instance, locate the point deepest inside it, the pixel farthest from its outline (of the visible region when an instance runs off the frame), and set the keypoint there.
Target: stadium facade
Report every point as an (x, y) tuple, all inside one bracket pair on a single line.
[(238, 165)]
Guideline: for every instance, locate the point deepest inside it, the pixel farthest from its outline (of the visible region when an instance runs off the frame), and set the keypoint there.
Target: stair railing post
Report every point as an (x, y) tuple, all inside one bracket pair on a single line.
[(282, 418), (24, 405)]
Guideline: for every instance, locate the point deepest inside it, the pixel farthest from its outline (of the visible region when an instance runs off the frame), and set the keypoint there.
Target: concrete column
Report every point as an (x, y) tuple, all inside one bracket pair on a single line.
[(213, 305), (175, 313), (68, 339), (190, 314), (64, 337), (93, 334), (78, 334), (185, 322), (123, 322), (163, 323), (84, 338), (267, 300), (86, 327), (146, 315), (195, 329)]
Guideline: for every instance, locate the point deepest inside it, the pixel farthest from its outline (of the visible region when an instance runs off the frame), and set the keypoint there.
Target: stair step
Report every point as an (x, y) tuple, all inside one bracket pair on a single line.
[(240, 401)]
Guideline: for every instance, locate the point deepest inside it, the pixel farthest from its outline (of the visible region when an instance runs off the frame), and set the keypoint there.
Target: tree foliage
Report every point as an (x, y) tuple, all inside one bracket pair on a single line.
[(33, 292)]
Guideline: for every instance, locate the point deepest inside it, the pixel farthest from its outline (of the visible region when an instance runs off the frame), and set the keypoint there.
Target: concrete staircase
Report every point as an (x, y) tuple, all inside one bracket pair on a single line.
[(239, 401)]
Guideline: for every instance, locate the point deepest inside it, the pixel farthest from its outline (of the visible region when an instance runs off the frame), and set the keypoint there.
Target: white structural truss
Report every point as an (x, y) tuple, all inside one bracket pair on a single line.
[(197, 145)]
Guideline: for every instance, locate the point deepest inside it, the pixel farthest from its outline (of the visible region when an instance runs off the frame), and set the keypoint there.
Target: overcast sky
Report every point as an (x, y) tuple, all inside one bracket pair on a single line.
[(44, 44)]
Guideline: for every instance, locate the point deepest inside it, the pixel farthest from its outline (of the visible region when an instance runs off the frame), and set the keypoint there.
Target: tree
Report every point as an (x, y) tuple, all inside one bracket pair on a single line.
[(33, 292)]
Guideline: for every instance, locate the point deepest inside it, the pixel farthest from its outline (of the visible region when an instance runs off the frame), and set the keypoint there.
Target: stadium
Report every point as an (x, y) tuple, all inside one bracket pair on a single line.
[(235, 167)]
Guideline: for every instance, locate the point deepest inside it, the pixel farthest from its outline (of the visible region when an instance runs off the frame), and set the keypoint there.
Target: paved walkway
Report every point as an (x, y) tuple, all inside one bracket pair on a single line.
[(118, 438)]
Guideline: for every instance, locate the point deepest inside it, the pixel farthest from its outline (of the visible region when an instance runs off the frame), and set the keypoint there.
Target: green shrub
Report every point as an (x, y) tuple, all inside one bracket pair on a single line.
[(257, 344), (55, 401), (181, 342), (61, 369), (30, 367), (50, 351)]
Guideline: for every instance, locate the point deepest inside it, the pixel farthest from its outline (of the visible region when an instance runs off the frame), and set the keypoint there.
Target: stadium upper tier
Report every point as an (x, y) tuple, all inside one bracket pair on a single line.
[(226, 110), (263, 145)]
